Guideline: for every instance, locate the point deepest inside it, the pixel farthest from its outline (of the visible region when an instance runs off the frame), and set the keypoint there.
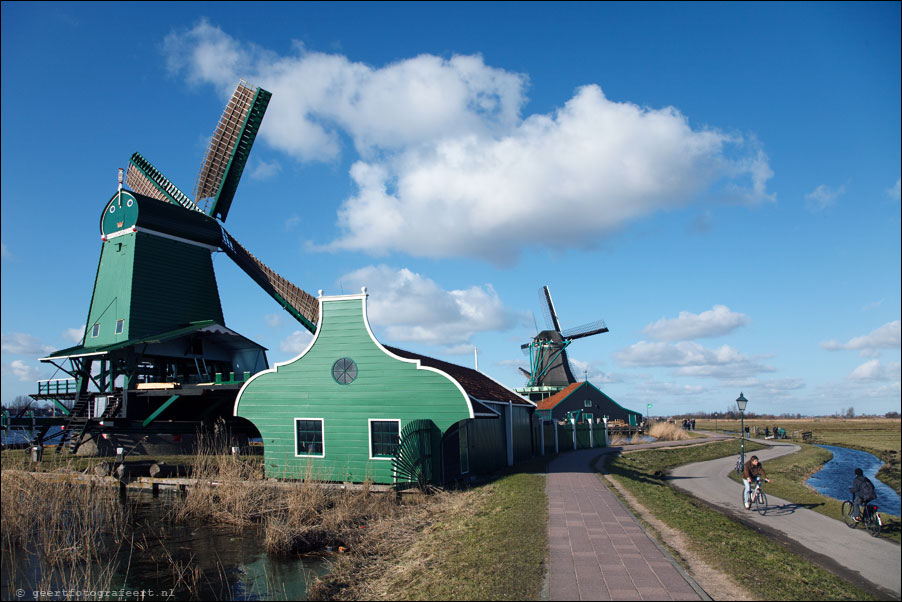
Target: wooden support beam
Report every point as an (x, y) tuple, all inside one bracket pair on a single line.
[(159, 410)]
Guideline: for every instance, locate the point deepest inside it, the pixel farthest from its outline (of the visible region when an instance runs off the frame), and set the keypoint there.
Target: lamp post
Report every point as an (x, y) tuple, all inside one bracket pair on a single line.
[(715, 422), (741, 402), (647, 409)]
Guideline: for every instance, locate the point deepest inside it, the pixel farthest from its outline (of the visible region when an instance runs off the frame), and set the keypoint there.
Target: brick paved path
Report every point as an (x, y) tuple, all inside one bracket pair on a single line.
[(597, 549)]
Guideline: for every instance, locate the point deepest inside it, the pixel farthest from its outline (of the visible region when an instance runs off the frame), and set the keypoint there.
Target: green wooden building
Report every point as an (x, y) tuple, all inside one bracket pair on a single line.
[(588, 402), (349, 409)]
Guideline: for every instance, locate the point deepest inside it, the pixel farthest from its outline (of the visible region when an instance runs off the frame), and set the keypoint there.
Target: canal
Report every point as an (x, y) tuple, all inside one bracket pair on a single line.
[(835, 478), (174, 561)]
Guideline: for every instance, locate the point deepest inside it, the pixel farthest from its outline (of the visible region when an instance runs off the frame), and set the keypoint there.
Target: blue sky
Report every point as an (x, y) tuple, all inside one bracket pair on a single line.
[(719, 182)]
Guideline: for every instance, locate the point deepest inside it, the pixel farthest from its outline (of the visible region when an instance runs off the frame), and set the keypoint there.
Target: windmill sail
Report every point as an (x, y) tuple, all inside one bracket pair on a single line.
[(586, 330), (229, 149), (144, 178), (548, 308), (299, 303)]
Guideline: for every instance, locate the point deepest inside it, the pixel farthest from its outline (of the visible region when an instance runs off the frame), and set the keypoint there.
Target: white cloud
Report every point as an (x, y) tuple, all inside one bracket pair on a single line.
[(447, 165), (823, 196), (888, 336), (691, 359), (874, 370), (715, 322), (895, 192), (264, 170), (273, 320), (292, 222), (872, 305), (654, 388), (4, 251), (19, 343), (411, 307), (296, 342), (596, 375), (23, 372), (76, 335)]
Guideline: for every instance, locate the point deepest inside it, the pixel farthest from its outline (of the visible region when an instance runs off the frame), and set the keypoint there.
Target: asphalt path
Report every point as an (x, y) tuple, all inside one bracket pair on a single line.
[(849, 552)]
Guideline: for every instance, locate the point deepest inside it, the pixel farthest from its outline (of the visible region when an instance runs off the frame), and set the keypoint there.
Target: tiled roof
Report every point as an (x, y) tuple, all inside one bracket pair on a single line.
[(549, 402), (477, 385)]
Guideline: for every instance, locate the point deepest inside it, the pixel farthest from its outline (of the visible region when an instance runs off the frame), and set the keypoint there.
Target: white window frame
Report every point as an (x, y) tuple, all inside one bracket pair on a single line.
[(369, 435), (120, 326), (322, 424), (95, 330)]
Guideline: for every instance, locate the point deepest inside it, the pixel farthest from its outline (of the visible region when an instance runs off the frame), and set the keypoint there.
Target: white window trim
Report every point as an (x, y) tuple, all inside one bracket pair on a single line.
[(322, 423), (120, 326), (95, 330), (369, 435)]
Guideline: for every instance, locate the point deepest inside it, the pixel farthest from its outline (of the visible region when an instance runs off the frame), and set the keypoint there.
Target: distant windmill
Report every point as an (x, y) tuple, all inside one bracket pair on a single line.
[(549, 366)]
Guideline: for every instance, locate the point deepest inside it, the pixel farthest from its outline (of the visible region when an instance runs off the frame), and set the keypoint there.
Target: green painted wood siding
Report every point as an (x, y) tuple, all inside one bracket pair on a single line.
[(154, 284), (385, 388)]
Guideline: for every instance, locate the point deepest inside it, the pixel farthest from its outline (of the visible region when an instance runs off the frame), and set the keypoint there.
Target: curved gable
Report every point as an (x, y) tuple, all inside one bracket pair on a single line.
[(384, 387)]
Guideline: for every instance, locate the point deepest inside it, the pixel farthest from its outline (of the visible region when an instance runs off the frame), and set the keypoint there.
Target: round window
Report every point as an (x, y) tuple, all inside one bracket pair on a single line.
[(344, 371)]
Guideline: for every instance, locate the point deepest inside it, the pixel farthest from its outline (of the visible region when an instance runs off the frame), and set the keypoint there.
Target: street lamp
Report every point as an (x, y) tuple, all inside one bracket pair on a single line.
[(741, 402), (715, 422), (647, 409)]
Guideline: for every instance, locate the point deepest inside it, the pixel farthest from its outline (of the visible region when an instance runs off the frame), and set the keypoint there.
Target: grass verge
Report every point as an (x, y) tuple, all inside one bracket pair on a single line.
[(487, 543), (762, 564), (789, 473)]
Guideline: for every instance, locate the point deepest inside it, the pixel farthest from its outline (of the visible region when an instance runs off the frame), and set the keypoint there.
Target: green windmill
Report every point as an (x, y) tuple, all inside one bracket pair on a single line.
[(157, 356)]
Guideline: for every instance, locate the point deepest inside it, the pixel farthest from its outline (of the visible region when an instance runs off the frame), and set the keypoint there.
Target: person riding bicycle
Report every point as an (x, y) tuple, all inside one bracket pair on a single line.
[(752, 471), (862, 491)]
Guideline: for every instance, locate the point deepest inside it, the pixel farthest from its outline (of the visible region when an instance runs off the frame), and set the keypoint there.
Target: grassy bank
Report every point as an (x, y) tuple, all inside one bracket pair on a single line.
[(789, 473), (761, 564), (487, 543), (878, 436)]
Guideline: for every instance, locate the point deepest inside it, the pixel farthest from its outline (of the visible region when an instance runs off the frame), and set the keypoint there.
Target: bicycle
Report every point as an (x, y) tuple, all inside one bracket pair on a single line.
[(870, 518), (757, 497)]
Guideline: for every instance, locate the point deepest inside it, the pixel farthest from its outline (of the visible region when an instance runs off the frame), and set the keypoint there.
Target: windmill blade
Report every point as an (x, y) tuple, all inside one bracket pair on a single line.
[(586, 330), (551, 321), (229, 149), (142, 177), (525, 372), (303, 306)]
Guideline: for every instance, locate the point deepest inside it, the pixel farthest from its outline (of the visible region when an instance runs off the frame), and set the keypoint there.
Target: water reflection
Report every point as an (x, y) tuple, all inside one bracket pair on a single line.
[(190, 561), (835, 478)]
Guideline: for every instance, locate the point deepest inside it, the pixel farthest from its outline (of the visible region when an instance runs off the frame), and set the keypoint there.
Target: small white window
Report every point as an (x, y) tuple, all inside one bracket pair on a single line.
[(587, 403), (120, 326), (385, 436), (95, 331), (308, 437)]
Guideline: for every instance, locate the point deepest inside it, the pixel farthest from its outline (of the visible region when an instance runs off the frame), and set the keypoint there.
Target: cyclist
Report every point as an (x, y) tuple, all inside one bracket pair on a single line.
[(862, 491), (752, 471)]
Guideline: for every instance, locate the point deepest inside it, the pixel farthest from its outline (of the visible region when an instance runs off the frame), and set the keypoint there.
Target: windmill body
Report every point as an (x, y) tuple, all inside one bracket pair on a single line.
[(157, 356)]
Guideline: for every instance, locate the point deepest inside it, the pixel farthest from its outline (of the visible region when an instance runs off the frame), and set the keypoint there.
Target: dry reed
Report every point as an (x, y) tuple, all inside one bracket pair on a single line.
[(665, 431)]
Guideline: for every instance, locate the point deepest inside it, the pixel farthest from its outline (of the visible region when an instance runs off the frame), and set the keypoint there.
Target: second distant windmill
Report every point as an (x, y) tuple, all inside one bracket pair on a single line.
[(549, 368)]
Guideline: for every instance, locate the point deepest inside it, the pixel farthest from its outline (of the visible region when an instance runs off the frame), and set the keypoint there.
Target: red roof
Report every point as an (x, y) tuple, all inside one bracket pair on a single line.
[(549, 402), (477, 385)]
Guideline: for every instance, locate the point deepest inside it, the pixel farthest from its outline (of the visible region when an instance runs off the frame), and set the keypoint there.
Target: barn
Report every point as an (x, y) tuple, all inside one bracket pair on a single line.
[(589, 402), (349, 409)]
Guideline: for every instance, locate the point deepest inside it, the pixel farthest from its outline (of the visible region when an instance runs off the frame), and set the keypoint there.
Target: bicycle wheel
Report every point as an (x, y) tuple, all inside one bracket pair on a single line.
[(761, 503), (873, 524), (847, 510)]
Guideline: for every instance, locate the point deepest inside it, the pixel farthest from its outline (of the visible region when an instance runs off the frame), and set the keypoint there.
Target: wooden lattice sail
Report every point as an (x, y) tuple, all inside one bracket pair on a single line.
[(229, 149)]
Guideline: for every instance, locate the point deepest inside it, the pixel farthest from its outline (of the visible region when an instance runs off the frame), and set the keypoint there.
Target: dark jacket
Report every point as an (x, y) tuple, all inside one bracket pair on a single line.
[(751, 472), (863, 488)]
